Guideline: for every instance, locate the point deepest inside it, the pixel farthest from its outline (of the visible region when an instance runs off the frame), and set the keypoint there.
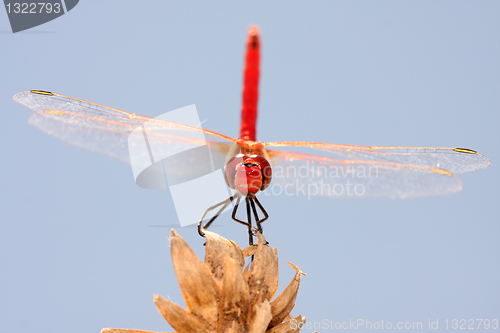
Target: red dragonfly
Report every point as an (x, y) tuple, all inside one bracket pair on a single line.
[(324, 169)]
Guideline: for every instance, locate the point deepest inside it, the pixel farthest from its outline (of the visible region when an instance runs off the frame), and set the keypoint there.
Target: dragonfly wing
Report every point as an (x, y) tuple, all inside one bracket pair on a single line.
[(111, 131), (452, 160), (111, 144), (356, 176)]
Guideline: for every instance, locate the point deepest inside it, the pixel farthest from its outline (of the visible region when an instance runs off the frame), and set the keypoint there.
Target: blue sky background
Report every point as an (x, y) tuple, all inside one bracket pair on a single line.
[(77, 250)]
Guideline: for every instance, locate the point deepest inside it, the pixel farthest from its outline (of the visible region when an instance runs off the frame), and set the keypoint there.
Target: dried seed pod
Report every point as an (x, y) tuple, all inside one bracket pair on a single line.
[(222, 295)]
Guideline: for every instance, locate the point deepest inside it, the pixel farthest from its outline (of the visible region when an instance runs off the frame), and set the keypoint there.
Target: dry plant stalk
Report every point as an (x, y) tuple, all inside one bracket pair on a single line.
[(223, 296)]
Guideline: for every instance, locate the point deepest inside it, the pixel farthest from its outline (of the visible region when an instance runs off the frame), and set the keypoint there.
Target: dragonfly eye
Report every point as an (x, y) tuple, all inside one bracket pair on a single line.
[(248, 174)]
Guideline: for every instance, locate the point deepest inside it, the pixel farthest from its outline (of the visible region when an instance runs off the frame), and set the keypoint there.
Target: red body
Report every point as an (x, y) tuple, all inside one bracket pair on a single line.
[(250, 86), (248, 172)]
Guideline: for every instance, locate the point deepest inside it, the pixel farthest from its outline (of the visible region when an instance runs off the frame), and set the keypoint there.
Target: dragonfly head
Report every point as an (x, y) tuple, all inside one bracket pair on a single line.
[(248, 174)]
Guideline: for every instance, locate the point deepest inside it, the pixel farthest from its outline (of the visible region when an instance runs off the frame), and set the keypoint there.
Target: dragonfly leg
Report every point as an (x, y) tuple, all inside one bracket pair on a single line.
[(266, 216), (249, 218), (235, 209), (255, 215), (224, 204), (249, 223), (250, 203)]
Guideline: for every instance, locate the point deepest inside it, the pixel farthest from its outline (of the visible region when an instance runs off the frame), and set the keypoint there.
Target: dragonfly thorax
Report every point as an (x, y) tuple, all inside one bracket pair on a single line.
[(248, 174)]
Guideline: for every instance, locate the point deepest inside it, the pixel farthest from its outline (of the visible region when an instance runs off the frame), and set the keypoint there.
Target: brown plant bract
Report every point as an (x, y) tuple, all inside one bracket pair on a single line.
[(223, 296)]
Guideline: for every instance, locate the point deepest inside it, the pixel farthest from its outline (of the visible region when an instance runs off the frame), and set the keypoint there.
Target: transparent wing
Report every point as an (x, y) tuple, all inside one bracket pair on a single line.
[(108, 131), (453, 160), (112, 144), (344, 171)]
